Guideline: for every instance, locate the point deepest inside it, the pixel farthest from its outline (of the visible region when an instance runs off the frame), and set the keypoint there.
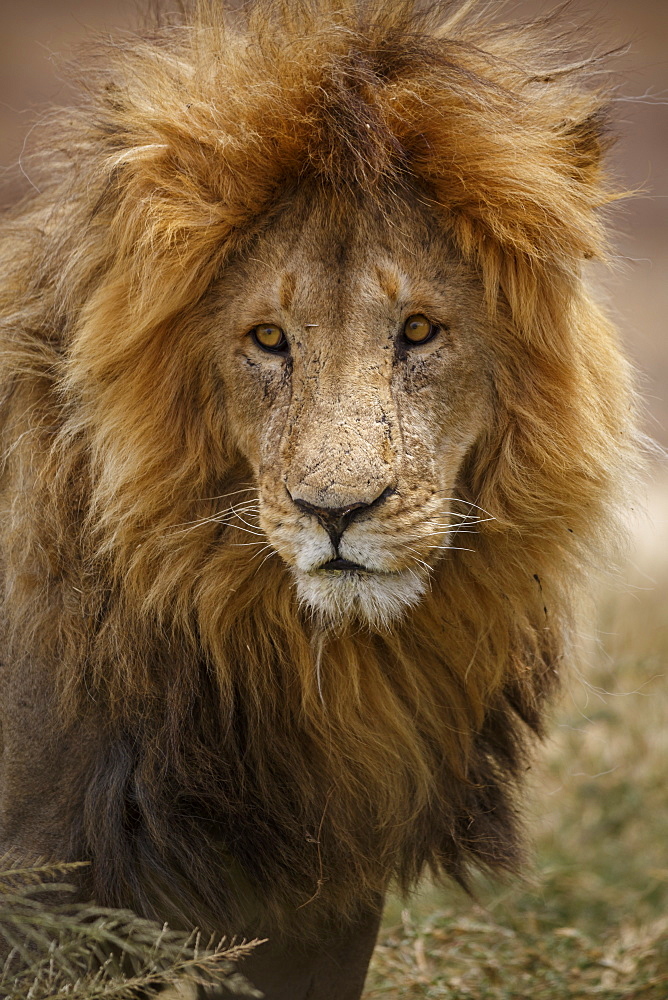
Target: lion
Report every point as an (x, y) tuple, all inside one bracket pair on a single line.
[(312, 437)]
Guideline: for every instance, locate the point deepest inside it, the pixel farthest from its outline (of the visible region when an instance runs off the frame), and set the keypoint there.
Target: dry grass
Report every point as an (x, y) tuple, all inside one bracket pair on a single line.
[(593, 922), (54, 946)]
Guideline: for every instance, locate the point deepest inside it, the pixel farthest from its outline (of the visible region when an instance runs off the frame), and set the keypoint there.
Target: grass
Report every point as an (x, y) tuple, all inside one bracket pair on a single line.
[(55, 947), (592, 918)]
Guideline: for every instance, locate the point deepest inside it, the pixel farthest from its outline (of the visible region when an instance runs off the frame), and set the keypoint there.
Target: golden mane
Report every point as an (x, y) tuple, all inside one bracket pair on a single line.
[(219, 700)]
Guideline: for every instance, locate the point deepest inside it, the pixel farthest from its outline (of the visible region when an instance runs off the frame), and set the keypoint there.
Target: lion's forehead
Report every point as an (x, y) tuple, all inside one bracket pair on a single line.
[(356, 272)]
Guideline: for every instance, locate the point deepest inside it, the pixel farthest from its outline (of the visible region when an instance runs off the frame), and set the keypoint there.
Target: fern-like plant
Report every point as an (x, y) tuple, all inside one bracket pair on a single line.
[(56, 947)]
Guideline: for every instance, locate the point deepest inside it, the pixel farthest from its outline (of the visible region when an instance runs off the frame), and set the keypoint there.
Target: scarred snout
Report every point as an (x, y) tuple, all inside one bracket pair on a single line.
[(339, 450), (339, 457)]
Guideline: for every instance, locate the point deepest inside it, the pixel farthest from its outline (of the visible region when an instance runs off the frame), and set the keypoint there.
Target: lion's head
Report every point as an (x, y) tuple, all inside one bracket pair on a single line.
[(356, 362), (310, 429)]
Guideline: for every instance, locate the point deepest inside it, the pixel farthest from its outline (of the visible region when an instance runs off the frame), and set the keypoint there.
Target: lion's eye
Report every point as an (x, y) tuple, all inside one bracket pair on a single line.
[(418, 329), (269, 337)]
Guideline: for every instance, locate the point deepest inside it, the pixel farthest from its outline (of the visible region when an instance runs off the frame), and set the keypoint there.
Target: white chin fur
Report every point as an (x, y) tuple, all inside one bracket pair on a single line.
[(374, 598)]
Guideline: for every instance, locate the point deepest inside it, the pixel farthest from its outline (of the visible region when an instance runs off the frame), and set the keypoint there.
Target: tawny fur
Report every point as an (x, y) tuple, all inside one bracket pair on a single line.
[(245, 746)]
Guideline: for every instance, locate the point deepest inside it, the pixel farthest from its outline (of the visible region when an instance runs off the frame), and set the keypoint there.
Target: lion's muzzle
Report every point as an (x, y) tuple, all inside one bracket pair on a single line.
[(335, 520)]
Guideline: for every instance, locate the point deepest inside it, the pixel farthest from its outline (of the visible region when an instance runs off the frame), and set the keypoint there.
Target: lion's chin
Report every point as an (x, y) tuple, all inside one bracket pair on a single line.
[(341, 596)]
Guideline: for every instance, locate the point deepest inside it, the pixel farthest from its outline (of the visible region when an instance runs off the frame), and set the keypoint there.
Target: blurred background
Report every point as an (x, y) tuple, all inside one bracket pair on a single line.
[(593, 922)]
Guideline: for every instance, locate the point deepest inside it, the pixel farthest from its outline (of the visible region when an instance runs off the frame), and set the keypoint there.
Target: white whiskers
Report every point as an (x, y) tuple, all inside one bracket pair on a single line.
[(235, 515)]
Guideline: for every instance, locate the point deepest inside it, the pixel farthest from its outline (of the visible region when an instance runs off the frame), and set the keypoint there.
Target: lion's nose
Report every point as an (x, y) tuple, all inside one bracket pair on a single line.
[(335, 520)]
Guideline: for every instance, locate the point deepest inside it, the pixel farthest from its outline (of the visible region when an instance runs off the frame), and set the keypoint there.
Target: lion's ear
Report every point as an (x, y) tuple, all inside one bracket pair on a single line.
[(587, 142)]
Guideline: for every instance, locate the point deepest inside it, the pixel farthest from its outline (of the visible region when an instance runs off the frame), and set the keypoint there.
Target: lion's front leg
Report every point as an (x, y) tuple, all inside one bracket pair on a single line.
[(334, 969)]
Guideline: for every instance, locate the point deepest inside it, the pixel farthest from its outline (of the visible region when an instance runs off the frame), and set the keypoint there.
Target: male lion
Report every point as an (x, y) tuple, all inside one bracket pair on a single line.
[(310, 429)]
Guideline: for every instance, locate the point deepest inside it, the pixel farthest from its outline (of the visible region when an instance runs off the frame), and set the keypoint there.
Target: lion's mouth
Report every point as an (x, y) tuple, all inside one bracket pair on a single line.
[(341, 590), (342, 566)]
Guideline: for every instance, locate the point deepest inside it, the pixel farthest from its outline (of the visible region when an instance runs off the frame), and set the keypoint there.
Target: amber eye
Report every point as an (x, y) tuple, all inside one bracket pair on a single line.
[(418, 329), (269, 337)]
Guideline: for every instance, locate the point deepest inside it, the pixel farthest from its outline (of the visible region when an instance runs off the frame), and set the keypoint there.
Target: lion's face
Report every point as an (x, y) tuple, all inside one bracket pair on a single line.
[(357, 377)]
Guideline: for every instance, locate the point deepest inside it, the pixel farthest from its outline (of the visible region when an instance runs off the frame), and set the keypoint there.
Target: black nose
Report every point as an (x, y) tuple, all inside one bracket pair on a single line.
[(335, 520)]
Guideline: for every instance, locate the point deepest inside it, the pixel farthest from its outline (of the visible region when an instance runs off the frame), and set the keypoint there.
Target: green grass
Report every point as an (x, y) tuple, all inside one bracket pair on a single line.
[(592, 918)]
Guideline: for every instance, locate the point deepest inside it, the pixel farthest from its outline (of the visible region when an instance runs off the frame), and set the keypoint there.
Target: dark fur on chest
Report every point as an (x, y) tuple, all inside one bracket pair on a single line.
[(197, 825)]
